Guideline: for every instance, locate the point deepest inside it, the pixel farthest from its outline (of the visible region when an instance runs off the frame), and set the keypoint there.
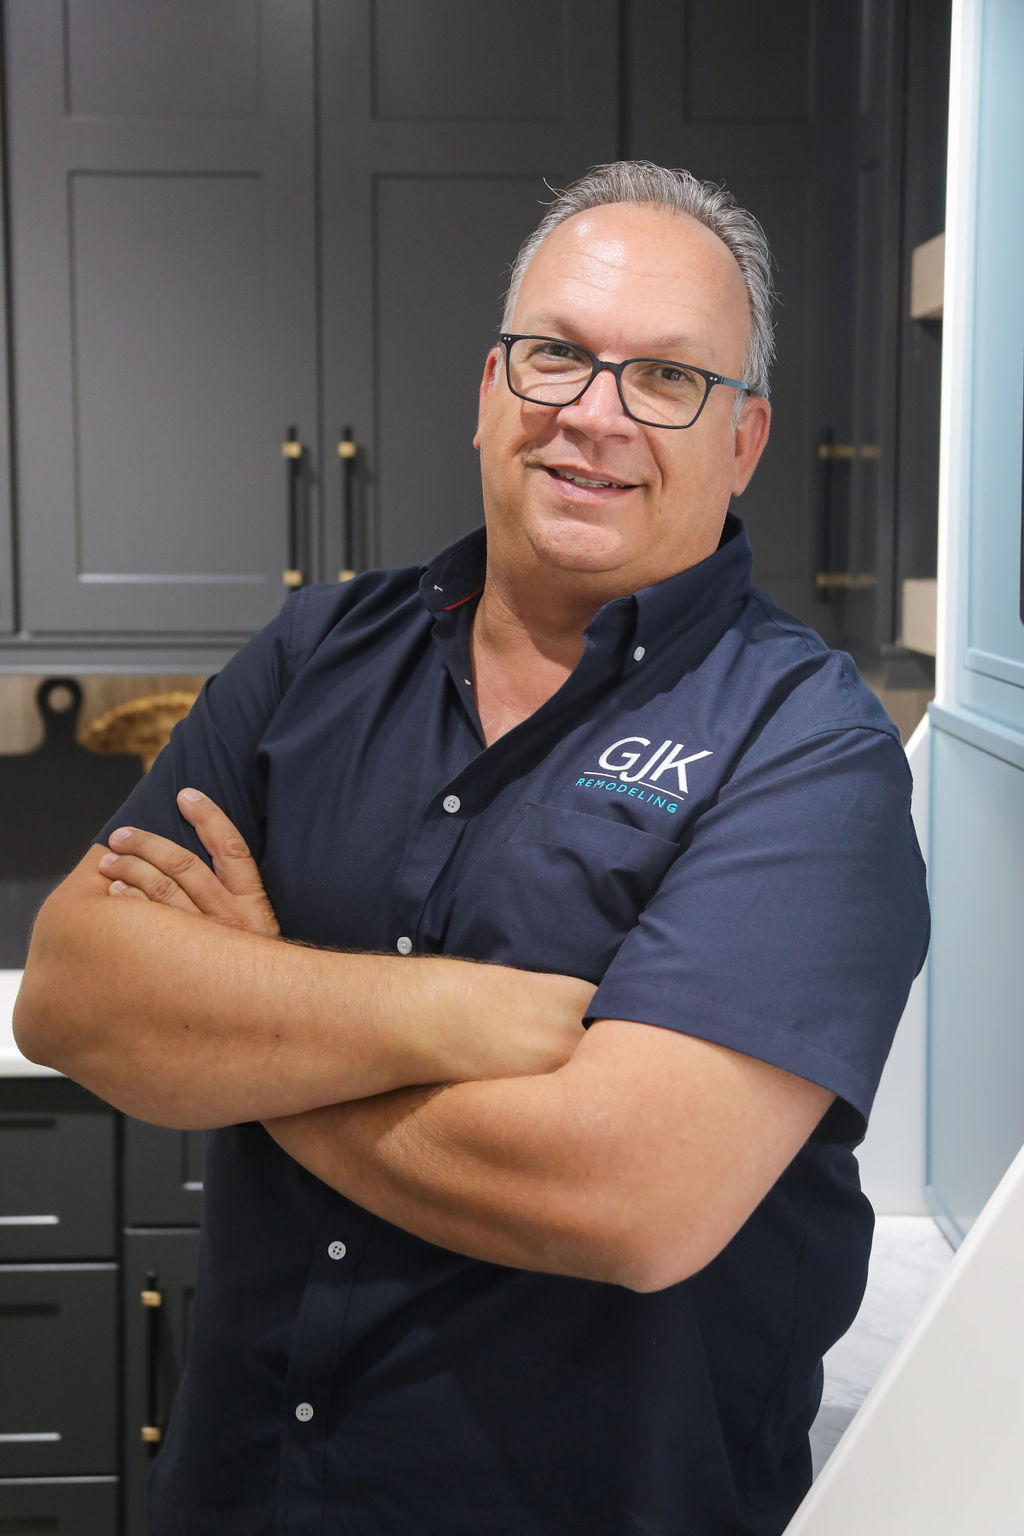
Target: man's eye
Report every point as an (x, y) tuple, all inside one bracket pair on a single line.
[(670, 373)]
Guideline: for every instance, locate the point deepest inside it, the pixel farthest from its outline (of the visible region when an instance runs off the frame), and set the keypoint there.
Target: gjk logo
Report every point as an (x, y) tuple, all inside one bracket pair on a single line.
[(621, 762)]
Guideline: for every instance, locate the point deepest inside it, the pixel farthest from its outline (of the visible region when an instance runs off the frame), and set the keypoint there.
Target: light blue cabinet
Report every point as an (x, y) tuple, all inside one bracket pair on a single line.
[(976, 968)]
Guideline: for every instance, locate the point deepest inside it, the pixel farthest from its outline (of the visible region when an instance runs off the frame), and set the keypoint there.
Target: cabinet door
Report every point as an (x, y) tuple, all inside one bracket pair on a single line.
[(58, 1351), (56, 1171), (439, 124), (163, 1175), (163, 303), (159, 1284)]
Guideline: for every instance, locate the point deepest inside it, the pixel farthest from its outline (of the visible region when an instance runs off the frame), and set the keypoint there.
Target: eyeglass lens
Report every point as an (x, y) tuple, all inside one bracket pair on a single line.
[(655, 391)]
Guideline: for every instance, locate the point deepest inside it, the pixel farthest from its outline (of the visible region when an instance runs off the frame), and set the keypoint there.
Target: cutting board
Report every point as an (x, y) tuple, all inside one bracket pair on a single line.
[(53, 801)]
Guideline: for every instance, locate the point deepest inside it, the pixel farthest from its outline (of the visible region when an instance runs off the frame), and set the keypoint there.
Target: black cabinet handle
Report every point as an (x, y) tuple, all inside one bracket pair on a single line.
[(292, 450), (152, 1298), (347, 451)]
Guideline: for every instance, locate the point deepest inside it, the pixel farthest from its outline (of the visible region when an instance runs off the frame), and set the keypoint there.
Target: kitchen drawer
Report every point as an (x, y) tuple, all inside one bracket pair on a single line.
[(58, 1359), (70, 1506), (56, 1171), (163, 1175)]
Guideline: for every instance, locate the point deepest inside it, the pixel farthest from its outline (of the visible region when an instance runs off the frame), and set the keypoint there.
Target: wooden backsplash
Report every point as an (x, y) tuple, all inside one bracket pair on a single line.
[(21, 728)]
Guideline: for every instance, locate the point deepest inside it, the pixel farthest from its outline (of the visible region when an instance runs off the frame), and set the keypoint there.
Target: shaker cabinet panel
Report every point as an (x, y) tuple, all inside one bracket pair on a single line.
[(57, 1146), (163, 279), (58, 1353)]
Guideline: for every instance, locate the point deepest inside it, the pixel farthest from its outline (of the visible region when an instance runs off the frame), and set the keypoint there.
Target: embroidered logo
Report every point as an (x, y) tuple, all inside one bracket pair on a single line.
[(621, 775)]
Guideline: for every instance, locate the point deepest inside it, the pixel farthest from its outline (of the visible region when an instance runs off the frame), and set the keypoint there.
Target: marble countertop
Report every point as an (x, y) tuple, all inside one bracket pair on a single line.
[(12, 1062)]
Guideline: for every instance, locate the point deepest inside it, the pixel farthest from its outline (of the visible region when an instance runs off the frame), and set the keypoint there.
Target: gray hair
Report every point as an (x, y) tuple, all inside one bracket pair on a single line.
[(642, 182)]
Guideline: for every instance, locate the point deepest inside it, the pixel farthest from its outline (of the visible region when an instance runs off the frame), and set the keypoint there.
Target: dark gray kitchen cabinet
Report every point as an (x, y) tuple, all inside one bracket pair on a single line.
[(69, 1506), (58, 1309), (231, 221), (58, 1341), (57, 1166), (162, 1175), (163, 282), (159, 1286), (161, 1189), (99, 1243)]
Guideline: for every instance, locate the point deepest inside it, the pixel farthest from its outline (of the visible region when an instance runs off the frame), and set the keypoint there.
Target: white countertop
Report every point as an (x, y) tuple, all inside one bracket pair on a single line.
[(12, 1062)]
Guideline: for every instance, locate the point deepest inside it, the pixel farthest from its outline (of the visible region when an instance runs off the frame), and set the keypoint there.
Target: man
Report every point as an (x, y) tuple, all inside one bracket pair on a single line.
[(584, 1286)]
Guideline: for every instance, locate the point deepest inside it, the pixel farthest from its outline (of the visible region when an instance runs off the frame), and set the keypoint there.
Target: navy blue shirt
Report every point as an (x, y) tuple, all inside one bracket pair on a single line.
[(710, 819)]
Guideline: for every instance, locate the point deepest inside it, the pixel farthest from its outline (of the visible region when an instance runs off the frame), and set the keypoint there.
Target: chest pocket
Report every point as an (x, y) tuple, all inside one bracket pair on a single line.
[(558, 891)]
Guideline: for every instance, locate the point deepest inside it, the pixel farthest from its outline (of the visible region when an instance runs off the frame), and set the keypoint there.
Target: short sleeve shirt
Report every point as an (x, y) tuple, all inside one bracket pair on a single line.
[(710, 820)]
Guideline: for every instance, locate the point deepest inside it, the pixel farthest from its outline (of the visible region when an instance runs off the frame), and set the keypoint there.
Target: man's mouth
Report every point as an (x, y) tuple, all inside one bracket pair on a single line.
[(589, 484)]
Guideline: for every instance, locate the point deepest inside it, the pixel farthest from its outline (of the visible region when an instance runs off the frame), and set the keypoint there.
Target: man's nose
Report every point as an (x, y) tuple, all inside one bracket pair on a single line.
[(600, 403)]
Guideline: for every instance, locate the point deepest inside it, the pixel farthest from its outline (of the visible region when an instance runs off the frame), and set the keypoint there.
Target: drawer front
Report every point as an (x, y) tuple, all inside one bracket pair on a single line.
[(57, 1148), (68, 1507), (58, 1362), (163, 1175)]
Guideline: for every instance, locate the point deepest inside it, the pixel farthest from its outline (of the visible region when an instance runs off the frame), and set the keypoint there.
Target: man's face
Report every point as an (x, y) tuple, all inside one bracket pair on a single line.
[(625, 281)]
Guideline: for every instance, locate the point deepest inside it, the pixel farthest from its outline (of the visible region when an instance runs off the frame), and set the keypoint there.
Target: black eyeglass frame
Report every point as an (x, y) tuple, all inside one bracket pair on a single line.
[(601, 365)]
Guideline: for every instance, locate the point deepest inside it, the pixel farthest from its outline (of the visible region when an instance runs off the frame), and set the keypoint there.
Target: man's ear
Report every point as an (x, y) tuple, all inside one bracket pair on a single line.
[(751, 436), (487, 383)]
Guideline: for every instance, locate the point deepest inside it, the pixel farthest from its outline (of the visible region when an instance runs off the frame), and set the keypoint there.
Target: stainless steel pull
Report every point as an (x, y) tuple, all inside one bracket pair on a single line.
[(347, 453), (29, 1221), (292, 451)]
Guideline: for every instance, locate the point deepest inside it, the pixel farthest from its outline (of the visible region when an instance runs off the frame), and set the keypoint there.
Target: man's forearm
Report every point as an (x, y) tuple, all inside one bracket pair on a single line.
[(488, 1169), (186, 1022), (635, 1163)]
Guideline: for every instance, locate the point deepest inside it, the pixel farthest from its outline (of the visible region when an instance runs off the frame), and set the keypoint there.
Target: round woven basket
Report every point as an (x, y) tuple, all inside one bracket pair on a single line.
[(142, 726)]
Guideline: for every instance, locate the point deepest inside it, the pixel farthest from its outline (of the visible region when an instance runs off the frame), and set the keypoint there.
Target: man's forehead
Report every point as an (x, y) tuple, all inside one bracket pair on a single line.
[(628, 260), (645, 242)]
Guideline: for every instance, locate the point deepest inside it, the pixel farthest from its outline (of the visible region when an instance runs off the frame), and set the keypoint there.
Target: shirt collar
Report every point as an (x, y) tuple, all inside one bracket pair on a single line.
[(655, 614)]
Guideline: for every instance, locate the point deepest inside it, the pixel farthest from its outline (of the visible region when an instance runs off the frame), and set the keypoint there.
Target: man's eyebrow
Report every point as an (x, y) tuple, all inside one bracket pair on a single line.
[(662, 346)]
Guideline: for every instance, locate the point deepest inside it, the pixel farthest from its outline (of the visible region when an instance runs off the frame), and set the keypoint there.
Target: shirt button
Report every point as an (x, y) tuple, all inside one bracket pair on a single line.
[(337, 1250), (639, 653), (452, 803), (404, 946), (304, 1412)]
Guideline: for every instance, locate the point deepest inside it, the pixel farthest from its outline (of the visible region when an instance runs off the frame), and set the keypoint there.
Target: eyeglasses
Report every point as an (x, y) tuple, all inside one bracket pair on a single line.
[(654, 391)]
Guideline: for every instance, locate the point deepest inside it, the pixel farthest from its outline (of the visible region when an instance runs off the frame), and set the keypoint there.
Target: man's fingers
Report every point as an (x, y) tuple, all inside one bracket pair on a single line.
[(233, 864), (132, 876), (163, 871)]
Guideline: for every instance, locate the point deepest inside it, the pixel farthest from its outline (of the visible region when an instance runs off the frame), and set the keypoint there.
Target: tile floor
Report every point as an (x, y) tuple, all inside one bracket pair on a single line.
[(908, 1259)]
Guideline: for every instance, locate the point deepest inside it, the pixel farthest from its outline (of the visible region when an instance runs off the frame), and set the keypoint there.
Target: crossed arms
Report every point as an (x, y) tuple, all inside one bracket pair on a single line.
[(463, 1102)]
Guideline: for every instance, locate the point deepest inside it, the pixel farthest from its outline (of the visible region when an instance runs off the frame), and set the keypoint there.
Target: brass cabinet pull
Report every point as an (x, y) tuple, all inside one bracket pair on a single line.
[(347, 453), (291, 448), (152, 1298), (826, 579)]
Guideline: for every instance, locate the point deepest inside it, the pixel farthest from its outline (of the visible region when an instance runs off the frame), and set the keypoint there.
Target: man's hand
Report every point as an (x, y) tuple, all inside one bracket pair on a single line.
[(424, 1019), (141, 864)]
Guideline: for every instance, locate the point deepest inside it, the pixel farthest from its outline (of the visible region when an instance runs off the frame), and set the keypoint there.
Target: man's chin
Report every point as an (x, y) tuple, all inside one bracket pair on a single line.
[(583, 548)]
